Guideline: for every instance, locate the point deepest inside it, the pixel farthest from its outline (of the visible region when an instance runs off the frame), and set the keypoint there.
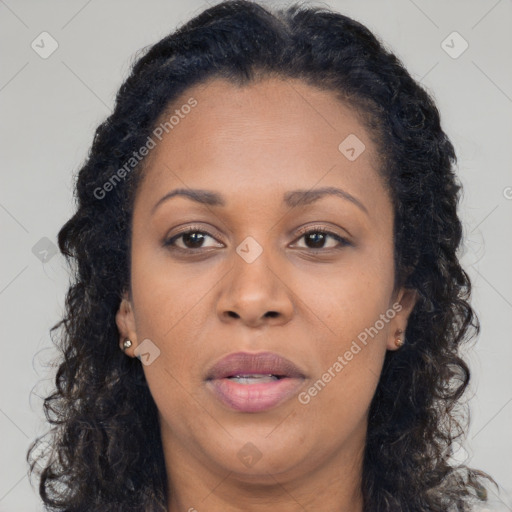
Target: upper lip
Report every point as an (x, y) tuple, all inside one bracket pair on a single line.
[(245, 363)]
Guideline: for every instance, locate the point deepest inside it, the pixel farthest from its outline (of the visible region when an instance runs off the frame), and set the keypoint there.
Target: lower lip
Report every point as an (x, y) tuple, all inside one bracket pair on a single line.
[(254, 397)]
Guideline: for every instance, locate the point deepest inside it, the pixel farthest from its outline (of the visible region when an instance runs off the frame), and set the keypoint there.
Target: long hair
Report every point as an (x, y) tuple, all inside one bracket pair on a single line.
[(105, 448)]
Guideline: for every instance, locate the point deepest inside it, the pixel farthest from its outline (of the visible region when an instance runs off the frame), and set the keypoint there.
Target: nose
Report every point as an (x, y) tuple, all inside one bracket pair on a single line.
[(255, 294)]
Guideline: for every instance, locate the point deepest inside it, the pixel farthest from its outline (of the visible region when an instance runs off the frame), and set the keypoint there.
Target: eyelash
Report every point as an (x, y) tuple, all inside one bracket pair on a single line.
[(304, 232)]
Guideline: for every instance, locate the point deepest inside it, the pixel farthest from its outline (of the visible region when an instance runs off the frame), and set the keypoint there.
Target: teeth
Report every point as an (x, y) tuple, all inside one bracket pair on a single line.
[(251, 379), (255, 375)]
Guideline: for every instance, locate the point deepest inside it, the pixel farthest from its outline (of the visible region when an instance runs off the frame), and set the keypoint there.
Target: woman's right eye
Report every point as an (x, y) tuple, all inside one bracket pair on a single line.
[(191, 240)]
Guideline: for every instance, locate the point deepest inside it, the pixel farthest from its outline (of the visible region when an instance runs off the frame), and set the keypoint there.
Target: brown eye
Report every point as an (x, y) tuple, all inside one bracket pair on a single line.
[(317, 238), (193, 240), (190, 240)]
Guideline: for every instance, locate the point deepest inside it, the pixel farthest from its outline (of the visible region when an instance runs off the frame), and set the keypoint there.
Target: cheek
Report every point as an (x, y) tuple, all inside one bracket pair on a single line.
[(349, 299), (173, 309), (349, 350), (165, 294), (353, 314)]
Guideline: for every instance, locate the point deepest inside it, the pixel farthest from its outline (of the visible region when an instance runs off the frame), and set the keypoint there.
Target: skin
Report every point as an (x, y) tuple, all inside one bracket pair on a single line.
[(252, 145)]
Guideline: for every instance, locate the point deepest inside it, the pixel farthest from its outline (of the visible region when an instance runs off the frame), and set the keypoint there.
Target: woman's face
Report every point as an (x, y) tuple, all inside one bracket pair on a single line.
[(248, 279)]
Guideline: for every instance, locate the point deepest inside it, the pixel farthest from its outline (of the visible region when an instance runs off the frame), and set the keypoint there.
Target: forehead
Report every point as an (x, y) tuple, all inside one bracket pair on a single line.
[(268, 133)]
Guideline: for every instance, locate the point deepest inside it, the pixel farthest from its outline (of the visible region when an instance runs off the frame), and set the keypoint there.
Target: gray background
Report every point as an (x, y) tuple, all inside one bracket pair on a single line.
[(50, 108)]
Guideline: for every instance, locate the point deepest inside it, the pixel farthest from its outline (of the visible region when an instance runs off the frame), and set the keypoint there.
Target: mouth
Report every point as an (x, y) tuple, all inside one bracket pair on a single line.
[(263, 365), (254, 382)]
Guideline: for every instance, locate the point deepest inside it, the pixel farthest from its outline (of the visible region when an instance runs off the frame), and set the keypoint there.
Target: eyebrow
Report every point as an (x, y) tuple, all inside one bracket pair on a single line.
[(292, 199)]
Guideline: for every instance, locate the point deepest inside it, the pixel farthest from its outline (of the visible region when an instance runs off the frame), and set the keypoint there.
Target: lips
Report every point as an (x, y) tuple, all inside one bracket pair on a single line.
[(244, 364), (253, 383)]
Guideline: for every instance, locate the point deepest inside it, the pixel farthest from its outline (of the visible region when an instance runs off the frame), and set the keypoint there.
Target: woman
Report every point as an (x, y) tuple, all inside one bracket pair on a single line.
[(268, 306)]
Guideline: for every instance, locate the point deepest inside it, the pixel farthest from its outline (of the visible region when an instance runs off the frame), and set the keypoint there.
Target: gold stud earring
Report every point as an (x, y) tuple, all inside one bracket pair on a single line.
[(399, 342), (127, 344)]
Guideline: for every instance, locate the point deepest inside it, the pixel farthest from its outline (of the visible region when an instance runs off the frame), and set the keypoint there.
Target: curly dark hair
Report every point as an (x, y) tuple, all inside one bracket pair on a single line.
[(103, 417)]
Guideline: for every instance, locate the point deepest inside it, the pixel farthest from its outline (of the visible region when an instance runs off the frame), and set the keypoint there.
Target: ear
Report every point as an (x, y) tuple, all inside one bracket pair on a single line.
[(125, 321), (403, 305)]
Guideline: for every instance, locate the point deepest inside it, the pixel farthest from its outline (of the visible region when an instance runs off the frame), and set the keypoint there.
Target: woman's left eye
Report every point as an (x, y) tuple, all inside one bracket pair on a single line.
[(318, 236), (314, 239)]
